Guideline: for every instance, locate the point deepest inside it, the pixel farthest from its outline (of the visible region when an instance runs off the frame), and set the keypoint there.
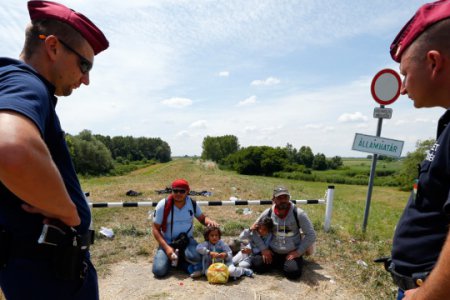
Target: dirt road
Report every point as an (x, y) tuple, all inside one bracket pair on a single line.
[(134, 280)]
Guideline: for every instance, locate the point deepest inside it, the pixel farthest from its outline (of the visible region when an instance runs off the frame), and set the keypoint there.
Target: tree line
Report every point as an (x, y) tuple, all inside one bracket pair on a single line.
[(263, 160), (288, 162), (95, 154)]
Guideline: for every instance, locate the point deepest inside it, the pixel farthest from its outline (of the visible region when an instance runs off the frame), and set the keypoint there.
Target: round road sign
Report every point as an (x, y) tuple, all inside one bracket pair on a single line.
[(385, 87)]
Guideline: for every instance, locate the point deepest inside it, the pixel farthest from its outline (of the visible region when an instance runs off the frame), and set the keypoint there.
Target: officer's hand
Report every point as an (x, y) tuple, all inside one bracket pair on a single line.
[(69, 221), (409, 294), (267, 256)]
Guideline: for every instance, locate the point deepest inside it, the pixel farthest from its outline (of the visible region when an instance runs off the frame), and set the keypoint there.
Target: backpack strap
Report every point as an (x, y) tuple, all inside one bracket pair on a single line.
[(168, 204), (194, 204), (294, 210), (168, 207)]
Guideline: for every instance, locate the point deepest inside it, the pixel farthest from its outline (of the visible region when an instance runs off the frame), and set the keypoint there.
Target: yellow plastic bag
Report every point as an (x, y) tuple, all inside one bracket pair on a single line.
[(217, 273)]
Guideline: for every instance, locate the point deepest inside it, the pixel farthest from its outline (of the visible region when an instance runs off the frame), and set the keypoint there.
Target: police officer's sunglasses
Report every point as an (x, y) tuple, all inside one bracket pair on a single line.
[(84, 64)]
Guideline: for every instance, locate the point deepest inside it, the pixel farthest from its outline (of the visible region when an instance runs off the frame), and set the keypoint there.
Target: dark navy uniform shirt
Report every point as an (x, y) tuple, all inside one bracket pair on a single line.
[(423, 227), (24, 91)]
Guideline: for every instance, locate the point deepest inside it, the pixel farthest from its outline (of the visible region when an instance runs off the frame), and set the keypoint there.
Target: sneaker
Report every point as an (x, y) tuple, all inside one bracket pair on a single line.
[(248, 272), (196, 274)]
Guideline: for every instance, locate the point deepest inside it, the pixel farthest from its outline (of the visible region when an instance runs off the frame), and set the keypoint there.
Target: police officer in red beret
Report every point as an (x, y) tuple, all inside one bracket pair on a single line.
[(44, 217), (421, 247)]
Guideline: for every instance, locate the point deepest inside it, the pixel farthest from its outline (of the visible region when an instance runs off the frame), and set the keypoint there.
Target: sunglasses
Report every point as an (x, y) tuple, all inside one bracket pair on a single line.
[(178, 191), (84, 64)]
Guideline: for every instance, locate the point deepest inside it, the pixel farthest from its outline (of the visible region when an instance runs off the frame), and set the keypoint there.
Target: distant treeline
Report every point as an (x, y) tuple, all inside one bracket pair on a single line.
[(264, 160), (303, 164), (95, 154)]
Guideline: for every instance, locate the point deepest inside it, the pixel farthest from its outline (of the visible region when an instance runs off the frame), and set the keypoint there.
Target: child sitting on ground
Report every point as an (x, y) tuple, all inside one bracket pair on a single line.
[(213, 249), (242, 260)]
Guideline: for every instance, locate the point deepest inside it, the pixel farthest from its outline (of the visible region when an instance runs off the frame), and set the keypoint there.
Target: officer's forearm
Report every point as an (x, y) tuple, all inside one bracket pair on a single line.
[(437, 285), (28, 171)]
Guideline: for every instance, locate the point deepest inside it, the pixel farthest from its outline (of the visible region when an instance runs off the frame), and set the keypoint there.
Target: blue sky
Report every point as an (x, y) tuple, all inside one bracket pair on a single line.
[(270, 72)]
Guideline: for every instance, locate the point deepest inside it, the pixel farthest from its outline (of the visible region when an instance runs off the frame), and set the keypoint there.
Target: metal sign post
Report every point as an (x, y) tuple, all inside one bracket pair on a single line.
[(371, 177), (385, 89)]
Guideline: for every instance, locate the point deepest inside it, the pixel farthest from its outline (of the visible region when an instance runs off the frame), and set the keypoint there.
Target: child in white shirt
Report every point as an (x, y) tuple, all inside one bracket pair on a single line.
[(242, 260)]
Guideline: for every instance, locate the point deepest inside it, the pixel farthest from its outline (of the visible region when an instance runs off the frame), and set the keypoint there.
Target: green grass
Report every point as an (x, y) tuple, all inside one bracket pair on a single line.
[(354, 171), (341, 247)]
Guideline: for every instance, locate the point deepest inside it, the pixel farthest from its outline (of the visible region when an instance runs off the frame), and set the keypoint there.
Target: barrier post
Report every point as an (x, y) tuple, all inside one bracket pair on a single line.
[(328, 208)]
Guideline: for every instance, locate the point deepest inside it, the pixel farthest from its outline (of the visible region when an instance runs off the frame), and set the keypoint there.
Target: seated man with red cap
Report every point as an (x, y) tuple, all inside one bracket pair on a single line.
[(173, 230), (44, 217)]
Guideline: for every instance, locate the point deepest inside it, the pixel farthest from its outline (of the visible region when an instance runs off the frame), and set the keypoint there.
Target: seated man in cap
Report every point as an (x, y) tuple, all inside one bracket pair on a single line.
[(287, 246), (38, 183), (174, 219), (421, 246)]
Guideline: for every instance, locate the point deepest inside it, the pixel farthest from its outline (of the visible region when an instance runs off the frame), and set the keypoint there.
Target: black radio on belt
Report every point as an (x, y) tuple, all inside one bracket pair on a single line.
[(70, 249)]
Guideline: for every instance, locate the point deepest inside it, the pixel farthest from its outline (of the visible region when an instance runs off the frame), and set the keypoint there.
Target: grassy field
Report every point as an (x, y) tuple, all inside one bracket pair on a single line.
[(345, 246)]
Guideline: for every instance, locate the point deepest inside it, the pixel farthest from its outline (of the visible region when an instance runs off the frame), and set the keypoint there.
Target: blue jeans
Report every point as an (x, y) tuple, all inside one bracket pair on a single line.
[(161, 263)]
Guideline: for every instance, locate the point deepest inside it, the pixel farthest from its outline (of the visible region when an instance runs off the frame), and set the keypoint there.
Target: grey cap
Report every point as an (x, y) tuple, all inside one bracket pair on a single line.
[(280, 190)]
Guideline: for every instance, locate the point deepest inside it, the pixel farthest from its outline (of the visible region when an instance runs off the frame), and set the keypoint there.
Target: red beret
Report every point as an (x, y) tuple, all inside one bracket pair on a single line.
[(52, 10), (426, 16), (180, 184)]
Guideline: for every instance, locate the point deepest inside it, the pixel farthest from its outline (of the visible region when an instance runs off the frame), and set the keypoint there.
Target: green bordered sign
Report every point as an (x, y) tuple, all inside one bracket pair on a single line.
[(378, 145)]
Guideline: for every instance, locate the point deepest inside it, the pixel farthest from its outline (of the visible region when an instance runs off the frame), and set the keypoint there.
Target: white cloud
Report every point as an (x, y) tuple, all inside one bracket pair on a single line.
[(352, 117), (201, 124), (362, 126), (177, 102), (424, 120), (319, 127), (266, 82), (249, 101), (183, 133), (418, 120), (313, 126), (224, 74), (250, 129)]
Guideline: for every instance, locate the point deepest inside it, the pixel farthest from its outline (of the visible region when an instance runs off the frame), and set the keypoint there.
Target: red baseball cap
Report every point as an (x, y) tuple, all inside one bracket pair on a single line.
[(52, 10), (180, 184), (426, 16)]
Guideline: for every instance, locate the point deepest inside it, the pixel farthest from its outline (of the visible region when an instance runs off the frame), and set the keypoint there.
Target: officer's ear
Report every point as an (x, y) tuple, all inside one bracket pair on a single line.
[(50, 45), (435, 63)]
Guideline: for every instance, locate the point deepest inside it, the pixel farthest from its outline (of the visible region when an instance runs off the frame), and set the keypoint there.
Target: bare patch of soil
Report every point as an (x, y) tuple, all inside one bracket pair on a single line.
[(134, 280)]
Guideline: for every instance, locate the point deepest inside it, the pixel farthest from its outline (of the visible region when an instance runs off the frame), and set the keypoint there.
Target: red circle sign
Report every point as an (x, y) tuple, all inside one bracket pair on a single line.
[(385, 87)]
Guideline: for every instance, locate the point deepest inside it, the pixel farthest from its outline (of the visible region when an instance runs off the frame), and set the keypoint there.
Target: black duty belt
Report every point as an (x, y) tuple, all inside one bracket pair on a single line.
[(47, 245), (406, 282), (402, 281)]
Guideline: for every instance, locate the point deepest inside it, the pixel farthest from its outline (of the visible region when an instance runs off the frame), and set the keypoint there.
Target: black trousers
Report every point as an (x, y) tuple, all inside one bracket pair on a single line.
[(292, 269)]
